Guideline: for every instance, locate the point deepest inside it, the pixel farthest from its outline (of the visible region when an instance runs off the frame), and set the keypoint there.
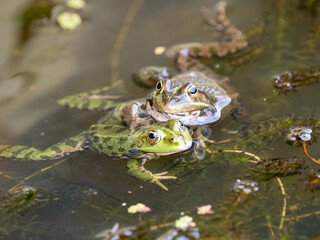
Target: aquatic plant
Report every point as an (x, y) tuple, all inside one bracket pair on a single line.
[(270, 168), (289, 81), (14, 205), (312, 181)]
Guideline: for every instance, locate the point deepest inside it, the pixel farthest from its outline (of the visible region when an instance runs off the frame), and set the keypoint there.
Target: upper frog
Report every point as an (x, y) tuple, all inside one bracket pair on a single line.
[(113, 140), (192, 97), (195, 96)]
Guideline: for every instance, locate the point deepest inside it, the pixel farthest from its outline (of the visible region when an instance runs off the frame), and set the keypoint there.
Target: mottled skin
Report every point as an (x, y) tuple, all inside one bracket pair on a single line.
[(113, 140)]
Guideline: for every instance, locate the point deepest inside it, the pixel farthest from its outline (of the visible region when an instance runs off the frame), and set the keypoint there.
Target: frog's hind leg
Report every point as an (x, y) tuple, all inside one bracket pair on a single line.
[(95, 100), (56, 151)]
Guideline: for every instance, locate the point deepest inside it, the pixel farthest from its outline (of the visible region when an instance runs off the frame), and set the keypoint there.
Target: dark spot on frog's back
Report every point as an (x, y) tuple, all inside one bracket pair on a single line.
[(100, 146), (133, 152), (120, 149), (110, 147), (107, 139), (107, 127), (121, 130), (123, 139), (56, 149)]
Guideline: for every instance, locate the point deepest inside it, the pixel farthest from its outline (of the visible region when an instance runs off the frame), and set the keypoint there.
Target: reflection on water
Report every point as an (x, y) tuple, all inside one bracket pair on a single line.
[(89, 193)]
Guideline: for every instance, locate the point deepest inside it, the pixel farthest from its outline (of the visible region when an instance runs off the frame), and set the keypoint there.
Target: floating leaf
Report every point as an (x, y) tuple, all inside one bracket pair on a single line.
[(139, 208), (76, 4), (205, 209), (69, 20), (184, 222)]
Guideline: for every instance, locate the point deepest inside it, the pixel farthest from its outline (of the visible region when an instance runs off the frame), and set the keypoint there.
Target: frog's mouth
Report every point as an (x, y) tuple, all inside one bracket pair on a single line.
[(190, 118)]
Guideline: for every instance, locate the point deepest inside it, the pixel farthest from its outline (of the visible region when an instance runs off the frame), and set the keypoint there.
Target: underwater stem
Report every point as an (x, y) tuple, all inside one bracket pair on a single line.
[(36, 173), (304, 145), (284, 209)]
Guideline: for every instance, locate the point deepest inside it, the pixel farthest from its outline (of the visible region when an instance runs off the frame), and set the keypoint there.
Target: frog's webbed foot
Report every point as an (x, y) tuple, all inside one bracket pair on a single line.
[(156, 177), (56, 151), (136, 169), (95, 100)]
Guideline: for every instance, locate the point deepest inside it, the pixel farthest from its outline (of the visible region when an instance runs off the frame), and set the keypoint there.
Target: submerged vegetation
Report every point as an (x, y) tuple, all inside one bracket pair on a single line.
[(289, 81)]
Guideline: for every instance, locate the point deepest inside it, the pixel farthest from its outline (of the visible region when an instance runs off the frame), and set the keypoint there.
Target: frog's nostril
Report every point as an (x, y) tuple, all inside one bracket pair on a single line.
[(172, 140)]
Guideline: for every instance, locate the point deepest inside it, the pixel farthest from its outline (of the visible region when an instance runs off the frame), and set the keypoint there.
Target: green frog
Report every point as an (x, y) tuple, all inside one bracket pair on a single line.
[(196, 96), (112, 139)]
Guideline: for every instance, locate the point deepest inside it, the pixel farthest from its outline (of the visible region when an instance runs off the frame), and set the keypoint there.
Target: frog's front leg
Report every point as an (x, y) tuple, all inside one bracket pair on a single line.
[(134, 114), (95, 100), (136, 169), (56, 151)]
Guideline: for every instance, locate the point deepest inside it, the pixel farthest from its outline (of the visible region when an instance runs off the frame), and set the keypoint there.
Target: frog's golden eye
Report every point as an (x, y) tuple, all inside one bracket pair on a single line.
[(192, 91), (153, 137), (159, 86)]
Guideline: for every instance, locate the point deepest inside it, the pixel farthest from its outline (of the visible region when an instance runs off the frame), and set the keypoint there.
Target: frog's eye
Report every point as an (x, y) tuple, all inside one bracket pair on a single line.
[(192, 91), (153, 137), (159, 86), (181, 126)]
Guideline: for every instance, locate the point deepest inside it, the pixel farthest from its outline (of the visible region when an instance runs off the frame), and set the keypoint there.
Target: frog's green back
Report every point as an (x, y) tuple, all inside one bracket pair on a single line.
[(111, 140)]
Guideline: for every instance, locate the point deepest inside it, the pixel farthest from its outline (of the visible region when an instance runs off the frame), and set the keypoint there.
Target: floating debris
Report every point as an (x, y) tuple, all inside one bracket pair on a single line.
[(184, 222), (288, 81), (139, 208), (299, 133), (159, 50), (76, 4), (69, 20), (245, 187), (204, 210), (119, 233)]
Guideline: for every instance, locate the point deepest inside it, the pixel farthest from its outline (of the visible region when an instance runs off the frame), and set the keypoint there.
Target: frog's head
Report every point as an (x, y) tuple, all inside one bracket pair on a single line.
[(186, 102), (162, 138), (178, 99)]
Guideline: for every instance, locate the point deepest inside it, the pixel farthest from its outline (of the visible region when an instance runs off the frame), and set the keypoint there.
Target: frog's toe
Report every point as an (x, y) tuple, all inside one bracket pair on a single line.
[(160, 176), (160, 184)]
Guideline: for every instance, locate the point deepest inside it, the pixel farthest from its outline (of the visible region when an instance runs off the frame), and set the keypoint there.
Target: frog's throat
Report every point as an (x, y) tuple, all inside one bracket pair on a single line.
[(200, 117)]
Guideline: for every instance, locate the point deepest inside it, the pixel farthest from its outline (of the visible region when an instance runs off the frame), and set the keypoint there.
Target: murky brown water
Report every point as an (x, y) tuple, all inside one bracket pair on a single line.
[(84, 195)]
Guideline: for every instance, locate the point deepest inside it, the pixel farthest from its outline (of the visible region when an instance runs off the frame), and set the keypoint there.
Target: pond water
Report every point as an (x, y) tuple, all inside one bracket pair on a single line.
[(89, 193)]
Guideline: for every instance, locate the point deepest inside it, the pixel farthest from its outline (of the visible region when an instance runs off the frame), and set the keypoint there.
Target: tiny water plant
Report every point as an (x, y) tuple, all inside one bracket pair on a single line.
[(289, 81)]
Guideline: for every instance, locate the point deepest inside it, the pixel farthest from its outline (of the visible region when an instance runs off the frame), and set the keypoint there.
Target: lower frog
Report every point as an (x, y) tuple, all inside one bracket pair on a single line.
[(113, 140), (196, 96)]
